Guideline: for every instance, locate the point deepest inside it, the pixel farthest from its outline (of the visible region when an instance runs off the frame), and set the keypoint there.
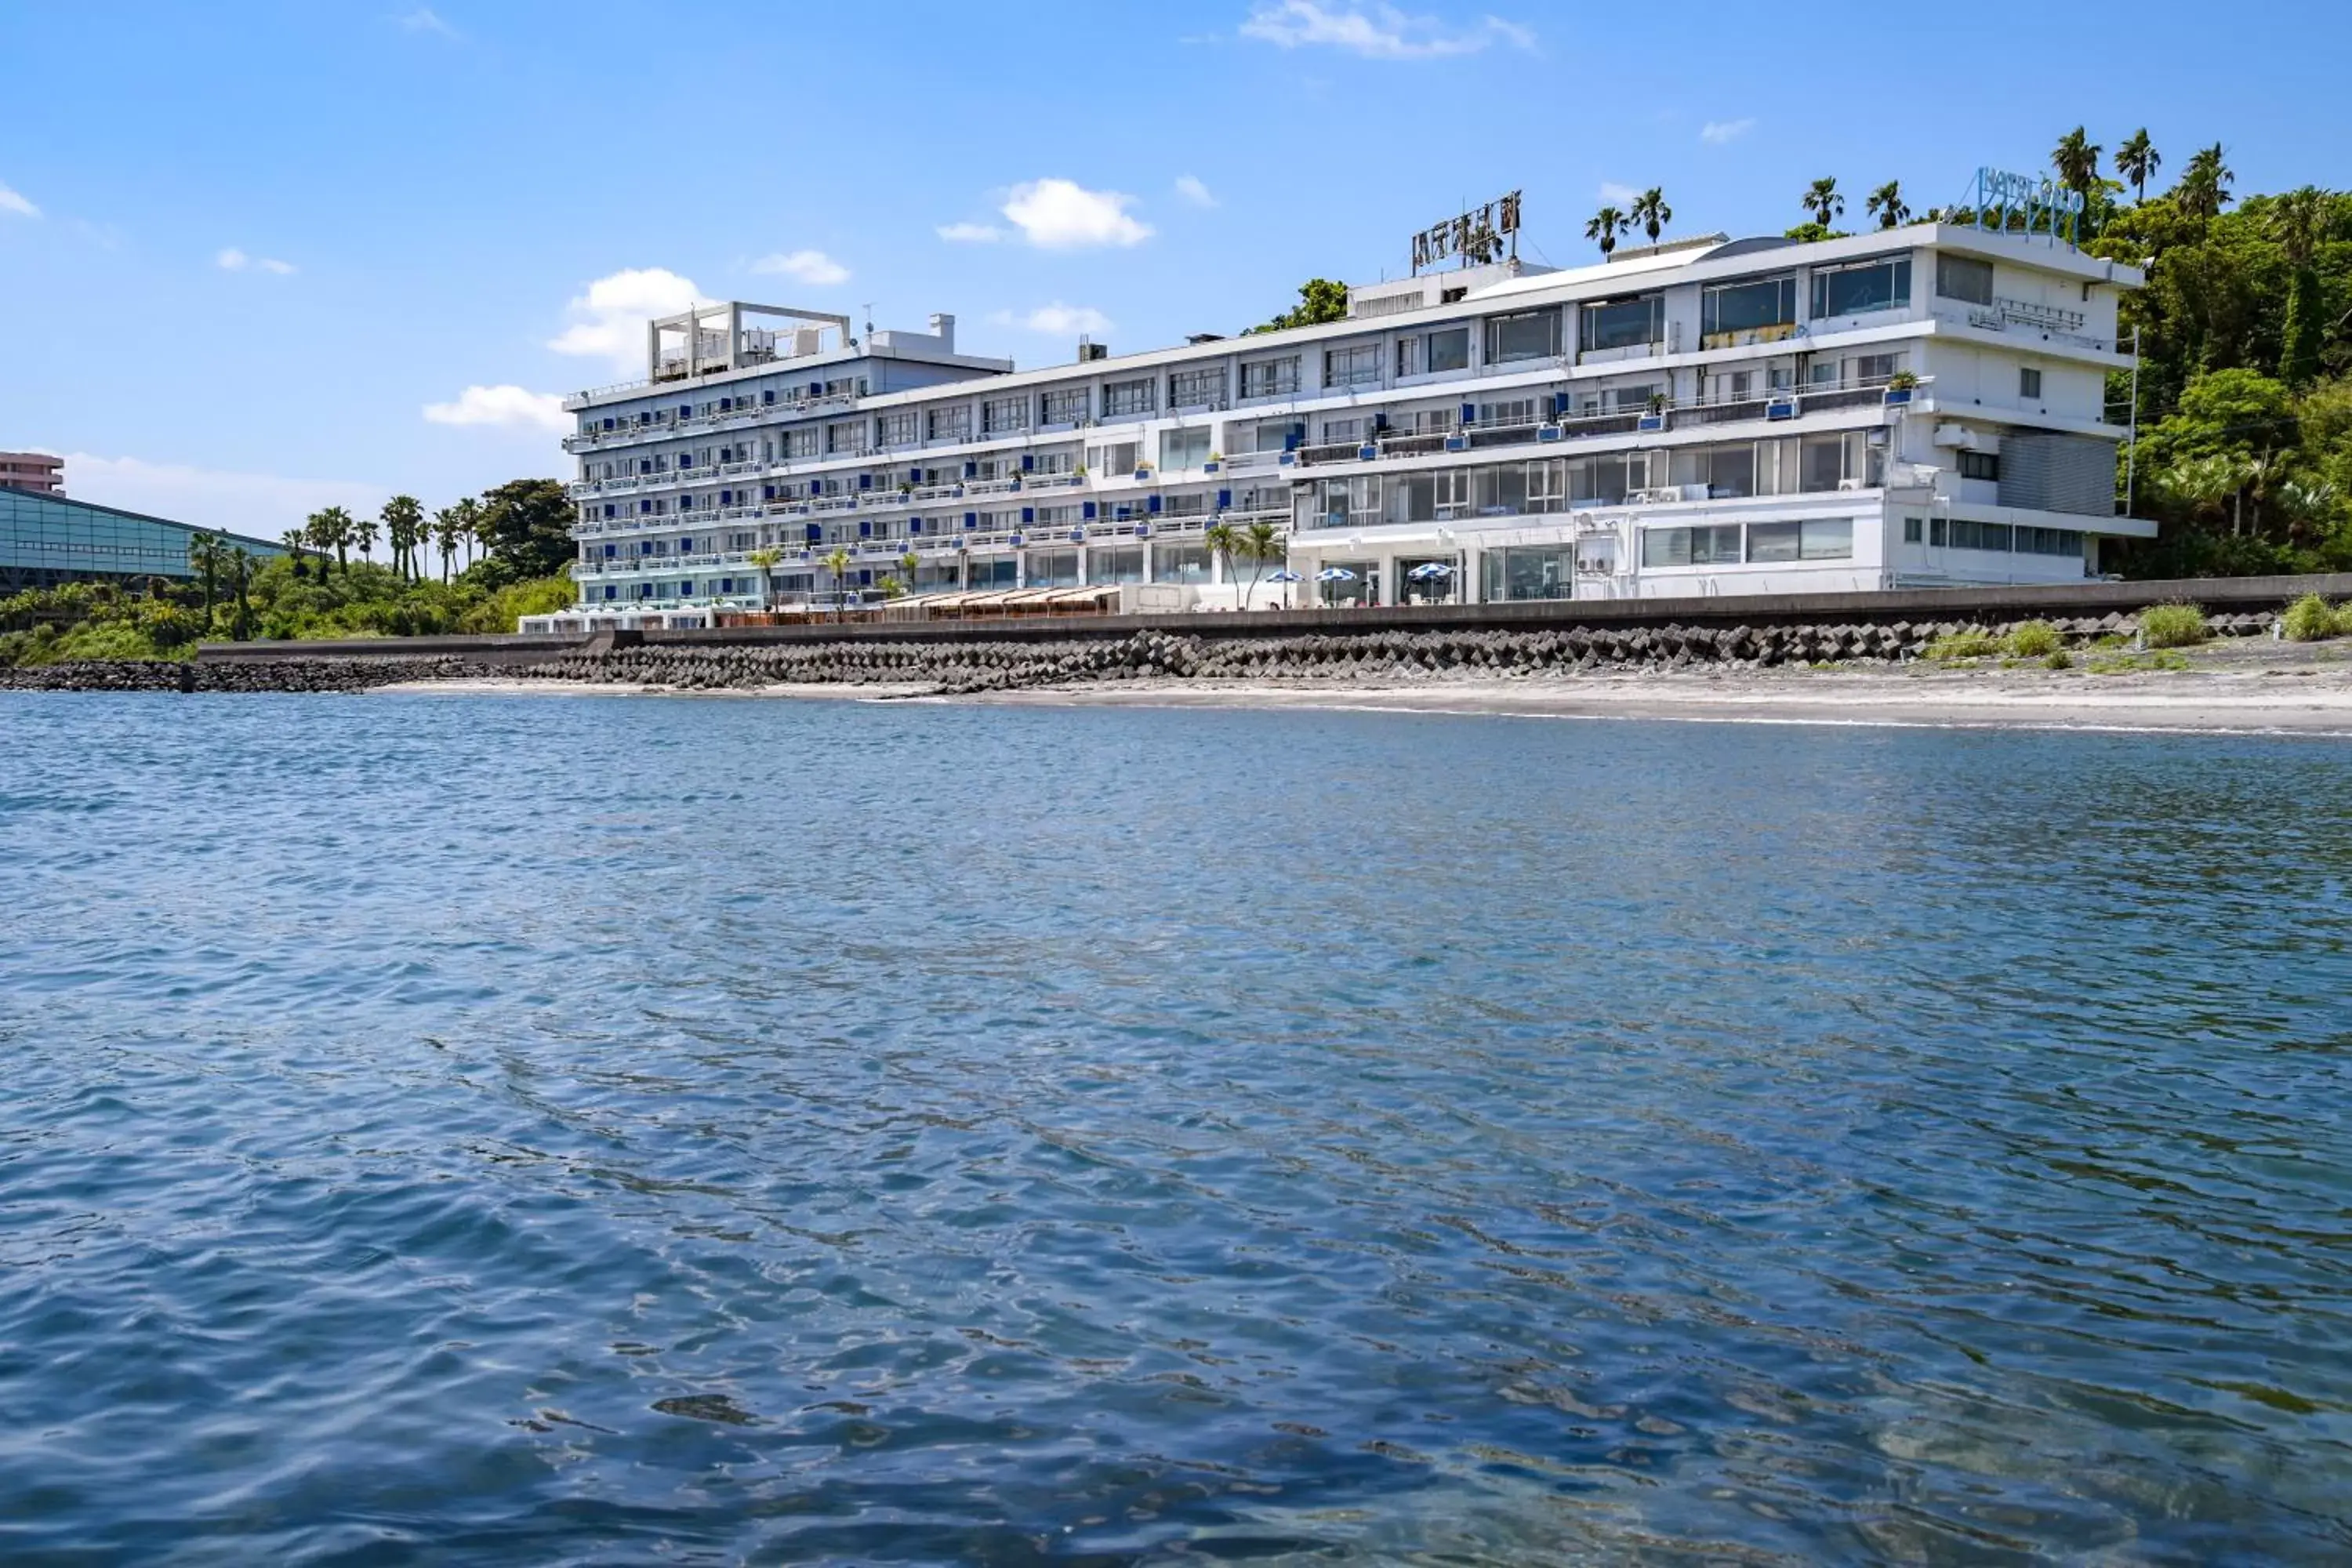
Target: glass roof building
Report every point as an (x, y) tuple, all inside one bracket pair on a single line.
[(46, 540)]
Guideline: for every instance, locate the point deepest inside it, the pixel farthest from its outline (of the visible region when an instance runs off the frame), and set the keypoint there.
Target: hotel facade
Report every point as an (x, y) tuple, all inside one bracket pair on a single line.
[(1904, 408)]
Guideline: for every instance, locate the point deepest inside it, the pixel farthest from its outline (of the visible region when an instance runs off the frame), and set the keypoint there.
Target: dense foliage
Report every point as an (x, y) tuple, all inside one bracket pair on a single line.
[(319, 592)]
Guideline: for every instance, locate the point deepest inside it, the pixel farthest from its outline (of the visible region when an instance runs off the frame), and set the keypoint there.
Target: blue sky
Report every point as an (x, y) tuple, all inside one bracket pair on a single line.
[(257, 258)]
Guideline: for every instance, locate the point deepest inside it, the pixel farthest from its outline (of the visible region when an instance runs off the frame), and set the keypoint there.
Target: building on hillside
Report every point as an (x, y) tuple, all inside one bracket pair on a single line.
[(36, 471), (47, 540), (1910, 407)]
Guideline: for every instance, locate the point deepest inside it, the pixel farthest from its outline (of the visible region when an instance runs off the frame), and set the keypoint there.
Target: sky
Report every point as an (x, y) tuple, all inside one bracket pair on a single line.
[(259, 259)]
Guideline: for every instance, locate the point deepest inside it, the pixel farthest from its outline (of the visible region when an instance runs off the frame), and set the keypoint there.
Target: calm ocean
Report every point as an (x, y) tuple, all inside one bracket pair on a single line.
[(468, 1130)]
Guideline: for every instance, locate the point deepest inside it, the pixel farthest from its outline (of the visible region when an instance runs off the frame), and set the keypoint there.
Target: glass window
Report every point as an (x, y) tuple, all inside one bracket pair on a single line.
[(1524, 334), (1881, 285), (1914, 530), (1604, 324), (1173, 562), (1713, 546), (1964, 277), (1200, 388), (1450, 350), (1107, 567), (1270, 377), (1759, 305), (1979, 464), (953, 424), (1124, 399), (1000, 414), (1358, 365), (1183, 449), (1547, 573), (896, 428), (1050, 569), (2028, 382), (1112, 457), (1816, 539), (1067, 405)]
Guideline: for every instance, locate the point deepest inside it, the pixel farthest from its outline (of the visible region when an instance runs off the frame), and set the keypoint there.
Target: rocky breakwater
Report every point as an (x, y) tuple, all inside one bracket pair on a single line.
[(293, 674), (962, 668)]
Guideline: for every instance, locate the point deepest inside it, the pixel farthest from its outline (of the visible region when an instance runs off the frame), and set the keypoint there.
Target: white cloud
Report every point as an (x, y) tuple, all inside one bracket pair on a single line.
[(1377, 32), (235, 260), (424, 20), (11, 202), (609, 319), (504, 404), (1618, 195), (260, 505), (813, 267), (970, 232), (1057, 319), (1190, 188), (1060, 214), (1718, 131)]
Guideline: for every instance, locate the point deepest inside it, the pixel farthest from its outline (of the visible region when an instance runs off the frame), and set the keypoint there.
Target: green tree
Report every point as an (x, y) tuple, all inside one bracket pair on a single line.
[(527, 527), (1320, 301), (1260, 542), (906, 565), (1650, 212), (1887, 201), (207, 554), (240, 568), (2300, 221), (1222, 540), (446, 530), (2076, 160), (837, 560), (404, 522), (1823, 202), (469, 519), (1604, 227), (764, 560), (364, 534), (2204, 188), (294, 539), (2137, 160)]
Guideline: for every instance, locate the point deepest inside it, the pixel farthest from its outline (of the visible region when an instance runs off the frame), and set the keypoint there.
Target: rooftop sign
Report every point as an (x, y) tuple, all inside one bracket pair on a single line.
[(2043, 203), (1475, 238)]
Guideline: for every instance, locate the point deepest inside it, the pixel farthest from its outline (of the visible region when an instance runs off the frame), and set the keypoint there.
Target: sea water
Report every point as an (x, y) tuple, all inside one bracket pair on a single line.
[(490, 1130)]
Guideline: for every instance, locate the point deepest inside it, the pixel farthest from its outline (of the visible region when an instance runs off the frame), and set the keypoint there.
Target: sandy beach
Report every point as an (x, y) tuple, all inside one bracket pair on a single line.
[(2265, 689)]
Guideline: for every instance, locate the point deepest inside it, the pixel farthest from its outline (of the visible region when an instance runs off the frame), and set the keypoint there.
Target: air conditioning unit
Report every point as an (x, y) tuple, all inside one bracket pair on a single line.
[(1852, 485)]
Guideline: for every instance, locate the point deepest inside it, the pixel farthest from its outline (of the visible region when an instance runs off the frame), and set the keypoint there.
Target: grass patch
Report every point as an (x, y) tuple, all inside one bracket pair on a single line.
[(2035, 640), (2173, 625), (1974, 643), (2056, 659), (2126, 663), (2312, 619)]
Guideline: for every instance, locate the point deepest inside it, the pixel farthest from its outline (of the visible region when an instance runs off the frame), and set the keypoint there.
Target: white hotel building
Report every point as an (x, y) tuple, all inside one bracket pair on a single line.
[(1902, 408)]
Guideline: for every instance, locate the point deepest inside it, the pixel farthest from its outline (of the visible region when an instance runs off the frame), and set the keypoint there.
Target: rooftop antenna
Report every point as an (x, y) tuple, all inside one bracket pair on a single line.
[(869, 318)]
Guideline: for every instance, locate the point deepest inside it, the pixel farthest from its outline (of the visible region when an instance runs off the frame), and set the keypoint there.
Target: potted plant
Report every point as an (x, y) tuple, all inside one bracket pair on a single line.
[(1900, 385), (1214, 461), (1655, 419)]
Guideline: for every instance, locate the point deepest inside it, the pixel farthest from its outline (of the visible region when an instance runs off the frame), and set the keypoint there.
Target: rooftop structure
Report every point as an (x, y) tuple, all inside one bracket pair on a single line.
[(36, 471), (46, 540), (1906, 408)]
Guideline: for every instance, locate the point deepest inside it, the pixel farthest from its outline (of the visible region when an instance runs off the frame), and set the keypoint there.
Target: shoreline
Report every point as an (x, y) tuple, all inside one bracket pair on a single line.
[(2310, 700)]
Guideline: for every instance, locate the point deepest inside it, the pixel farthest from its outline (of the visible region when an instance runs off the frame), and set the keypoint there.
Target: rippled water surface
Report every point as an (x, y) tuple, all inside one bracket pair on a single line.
[(477, 1130)]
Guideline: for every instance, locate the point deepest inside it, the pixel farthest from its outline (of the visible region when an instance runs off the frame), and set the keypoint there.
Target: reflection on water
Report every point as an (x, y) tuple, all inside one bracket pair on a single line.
[(451, 1129)]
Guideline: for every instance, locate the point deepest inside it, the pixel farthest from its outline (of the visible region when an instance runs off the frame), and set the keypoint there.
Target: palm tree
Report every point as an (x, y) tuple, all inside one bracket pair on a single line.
[(240, 572), (1887, 202), (1822, 200), (837, 560), (1606, 225), (765, 559), (1223, 540), (364, 534), (1260, 542), (906, 565), (327, 528), (2136, 160), (445, 536), (1650, 211), (206, 554), (2076, 161), (471, 527), (404, 522), (293, 538), (2204, 187)]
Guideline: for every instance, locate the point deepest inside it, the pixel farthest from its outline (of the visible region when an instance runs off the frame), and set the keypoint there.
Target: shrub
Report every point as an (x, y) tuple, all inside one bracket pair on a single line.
[(1974, 643), (2173, 625), (2035, 640), (2057, 659), (2311, 619)]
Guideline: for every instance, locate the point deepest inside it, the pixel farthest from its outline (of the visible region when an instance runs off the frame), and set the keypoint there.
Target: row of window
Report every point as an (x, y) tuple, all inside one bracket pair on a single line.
[(1959, 533), (1753, 544)]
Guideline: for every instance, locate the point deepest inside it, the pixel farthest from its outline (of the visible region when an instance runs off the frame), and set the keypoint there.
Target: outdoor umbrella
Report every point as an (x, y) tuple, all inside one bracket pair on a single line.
[(1429, 569), (1285, 575), (1334, 574)]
